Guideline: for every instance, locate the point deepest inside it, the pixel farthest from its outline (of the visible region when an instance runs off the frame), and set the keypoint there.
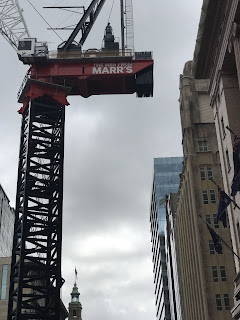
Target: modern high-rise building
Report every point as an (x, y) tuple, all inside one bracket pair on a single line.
[(217, 58), (206, 275), (165, 180), (6, 225), (173, 269)]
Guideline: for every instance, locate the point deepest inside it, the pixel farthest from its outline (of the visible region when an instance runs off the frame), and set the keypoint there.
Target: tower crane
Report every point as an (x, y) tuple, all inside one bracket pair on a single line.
[(35, 279)]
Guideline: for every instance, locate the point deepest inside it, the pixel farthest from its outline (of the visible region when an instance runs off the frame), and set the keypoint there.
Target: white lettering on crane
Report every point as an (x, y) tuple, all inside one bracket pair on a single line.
[(97, 70), (113, 68)]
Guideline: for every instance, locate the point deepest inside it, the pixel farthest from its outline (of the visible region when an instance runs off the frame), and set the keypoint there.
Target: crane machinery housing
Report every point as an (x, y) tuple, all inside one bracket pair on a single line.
[(35, 279)]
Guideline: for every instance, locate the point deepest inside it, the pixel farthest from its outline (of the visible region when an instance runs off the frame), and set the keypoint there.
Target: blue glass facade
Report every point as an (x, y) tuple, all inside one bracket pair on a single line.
[(4, 282), (166, 179)]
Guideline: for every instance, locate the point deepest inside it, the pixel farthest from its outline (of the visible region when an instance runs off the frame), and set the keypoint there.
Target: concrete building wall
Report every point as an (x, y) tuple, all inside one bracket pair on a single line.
[(226, 110), (206, 292), (6, 225)]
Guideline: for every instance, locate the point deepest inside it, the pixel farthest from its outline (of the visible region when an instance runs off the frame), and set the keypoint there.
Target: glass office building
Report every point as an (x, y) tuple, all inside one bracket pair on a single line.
[(6, 225), (166, 180)]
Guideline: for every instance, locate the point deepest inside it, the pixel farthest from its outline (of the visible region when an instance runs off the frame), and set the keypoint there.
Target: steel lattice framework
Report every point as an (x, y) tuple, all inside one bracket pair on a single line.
[(129, 26), (35, 279), (12, 23)]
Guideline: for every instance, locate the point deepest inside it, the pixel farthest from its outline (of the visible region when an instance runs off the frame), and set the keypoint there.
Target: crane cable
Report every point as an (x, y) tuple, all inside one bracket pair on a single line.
[(111, 10), (44, 20)]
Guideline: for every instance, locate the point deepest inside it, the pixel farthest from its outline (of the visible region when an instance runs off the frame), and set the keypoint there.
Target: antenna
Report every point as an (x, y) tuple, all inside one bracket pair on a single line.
[(122, 25)]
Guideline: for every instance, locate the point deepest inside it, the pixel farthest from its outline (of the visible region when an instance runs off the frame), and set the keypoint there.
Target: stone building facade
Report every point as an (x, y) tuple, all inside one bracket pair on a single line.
[(207, 277), (217, 58)]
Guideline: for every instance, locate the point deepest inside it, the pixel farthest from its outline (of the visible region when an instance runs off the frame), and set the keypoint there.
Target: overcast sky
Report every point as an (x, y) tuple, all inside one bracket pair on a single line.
[(110, 143)]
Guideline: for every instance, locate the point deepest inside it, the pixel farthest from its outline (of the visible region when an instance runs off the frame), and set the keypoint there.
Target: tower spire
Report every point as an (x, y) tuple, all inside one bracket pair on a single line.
[(75, 306)]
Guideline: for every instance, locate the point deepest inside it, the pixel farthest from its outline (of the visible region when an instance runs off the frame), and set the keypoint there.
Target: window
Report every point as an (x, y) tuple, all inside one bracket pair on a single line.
[(212, 196), (220, 251), (228, 160), (223, 128), (226, 301), (215, 273), (4, 282), (238, 229), (209, 173), (208, 218), (211, 247), (202, 173), (74, 313), (205, 197), (218, 302), (223, 273), (202, 146), (216, 224)]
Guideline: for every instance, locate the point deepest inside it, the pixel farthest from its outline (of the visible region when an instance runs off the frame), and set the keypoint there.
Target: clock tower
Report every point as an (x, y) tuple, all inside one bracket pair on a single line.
[(75, 306)]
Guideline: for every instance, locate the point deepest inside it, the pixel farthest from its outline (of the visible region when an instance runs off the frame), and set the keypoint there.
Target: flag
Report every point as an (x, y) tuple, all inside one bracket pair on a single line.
[(216, 240), (76, 273), (224, 201), (236, 162)]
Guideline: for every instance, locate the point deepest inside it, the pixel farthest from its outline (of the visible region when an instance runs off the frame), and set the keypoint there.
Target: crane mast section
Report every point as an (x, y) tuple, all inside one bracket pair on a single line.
[(84, 25), (129, 26), (12, 24)]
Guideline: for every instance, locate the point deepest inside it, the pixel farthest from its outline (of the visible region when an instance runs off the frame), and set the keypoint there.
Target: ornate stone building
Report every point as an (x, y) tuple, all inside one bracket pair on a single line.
[(217, 58), (206, 276)]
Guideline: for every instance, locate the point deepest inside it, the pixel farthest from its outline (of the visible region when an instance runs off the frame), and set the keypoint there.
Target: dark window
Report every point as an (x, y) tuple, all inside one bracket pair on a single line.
[(216, 224), (24, 45), (218, 302), (209, 173), (223, 127), (166, 295), (205, 197), (238, 229), (202, 146), (212, 196), (223, 273), (4, 282), (202, 173), (74, 313), (220, 241), (215, 273), (226, 301), (208, 218), (211, 247)]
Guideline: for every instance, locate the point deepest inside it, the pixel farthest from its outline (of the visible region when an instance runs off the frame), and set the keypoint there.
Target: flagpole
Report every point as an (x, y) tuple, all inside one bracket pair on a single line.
[(229, 129), (228, 196), (75, 275), (219, 236)]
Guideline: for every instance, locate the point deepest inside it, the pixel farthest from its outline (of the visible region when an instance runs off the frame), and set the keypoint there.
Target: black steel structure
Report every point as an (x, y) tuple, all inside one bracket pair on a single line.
[(35, 279), (84, 25)]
